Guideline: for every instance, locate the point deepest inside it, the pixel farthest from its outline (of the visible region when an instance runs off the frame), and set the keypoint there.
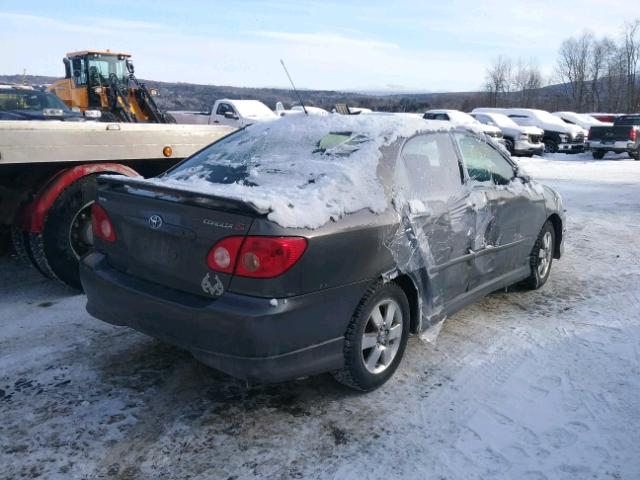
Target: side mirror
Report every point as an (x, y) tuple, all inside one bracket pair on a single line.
[(129, 65), (230, 115), (522, 175)]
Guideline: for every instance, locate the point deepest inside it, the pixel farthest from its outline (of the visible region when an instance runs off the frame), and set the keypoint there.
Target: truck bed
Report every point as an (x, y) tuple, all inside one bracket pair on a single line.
[(191, 117), (53, 141)]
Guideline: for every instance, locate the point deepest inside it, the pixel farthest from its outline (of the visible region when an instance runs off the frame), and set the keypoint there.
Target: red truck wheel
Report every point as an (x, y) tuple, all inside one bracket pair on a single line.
[(56, 225)]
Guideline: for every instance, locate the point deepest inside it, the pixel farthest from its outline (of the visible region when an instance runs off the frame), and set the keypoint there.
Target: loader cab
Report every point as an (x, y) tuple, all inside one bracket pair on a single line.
[(104, 81), (88, 74)]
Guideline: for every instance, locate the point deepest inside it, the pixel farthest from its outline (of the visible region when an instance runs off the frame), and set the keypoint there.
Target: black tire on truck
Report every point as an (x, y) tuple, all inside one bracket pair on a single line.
[(635, 154), (67, 234), (598, 154), (550, 146), (22, 247), (510, 145)]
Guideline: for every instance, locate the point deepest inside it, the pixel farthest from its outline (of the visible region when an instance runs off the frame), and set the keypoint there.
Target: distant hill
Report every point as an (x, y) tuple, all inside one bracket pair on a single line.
[(191, 96)]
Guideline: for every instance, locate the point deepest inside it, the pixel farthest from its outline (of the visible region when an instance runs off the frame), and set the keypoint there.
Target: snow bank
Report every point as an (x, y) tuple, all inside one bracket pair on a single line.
[(286, 169)]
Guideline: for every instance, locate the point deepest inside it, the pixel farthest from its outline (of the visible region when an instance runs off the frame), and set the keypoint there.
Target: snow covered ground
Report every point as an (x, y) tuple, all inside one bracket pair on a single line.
[(522, 385)]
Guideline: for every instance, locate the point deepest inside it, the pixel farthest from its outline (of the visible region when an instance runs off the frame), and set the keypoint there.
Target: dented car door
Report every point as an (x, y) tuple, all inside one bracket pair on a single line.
[(501, 206), (438, 212)]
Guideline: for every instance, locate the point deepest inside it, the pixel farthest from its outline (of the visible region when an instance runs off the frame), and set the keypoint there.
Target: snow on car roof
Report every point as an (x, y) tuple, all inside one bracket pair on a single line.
[(299, 168), (253, 109)]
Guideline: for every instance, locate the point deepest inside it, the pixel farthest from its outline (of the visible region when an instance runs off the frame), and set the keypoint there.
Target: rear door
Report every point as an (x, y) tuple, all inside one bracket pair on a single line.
[(166, 241), (507, 213), (429, 179)]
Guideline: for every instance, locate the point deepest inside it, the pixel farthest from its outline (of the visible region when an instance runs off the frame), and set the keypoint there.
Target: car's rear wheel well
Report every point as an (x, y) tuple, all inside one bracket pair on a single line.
[(409, 288), (557, 229)]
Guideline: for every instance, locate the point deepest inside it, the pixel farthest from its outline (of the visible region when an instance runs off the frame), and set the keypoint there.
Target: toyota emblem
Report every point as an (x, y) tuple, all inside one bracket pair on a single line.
[(155, 221)]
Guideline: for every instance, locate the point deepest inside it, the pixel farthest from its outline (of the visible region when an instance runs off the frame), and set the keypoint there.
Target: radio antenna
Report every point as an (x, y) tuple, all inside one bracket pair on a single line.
[(294, 87)]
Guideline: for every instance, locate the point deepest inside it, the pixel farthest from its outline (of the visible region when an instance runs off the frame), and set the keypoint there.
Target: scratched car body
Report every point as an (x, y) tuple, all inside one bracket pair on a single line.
[(266, 303)]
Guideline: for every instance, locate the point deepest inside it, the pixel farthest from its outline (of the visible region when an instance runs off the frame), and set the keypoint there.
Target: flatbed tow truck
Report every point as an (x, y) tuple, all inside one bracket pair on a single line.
[(48, 173)]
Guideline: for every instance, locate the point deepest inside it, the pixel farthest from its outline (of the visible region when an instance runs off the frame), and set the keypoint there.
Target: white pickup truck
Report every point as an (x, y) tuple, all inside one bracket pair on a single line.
[(235, 113), (48, 175)]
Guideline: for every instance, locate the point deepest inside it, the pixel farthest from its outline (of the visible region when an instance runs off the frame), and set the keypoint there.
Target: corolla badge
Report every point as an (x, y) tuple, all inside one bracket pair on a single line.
[(155, 221), (212, 288)]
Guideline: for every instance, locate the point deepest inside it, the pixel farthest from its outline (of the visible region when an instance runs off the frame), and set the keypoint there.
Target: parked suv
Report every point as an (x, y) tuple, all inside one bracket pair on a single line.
[(520, 141), (558, 135)]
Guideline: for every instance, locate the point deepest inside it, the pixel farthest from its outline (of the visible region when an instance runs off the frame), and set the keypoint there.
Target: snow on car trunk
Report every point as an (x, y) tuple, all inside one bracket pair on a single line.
[(303, 170)]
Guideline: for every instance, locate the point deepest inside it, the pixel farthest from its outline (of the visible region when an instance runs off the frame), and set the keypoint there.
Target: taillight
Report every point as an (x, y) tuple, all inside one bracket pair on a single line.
[(633, 135), (589, 134), (101, 224), (256, 256), (223, 255)]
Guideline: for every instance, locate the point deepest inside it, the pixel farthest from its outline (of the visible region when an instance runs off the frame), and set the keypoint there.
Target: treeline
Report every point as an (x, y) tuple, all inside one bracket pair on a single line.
[(591, 74)]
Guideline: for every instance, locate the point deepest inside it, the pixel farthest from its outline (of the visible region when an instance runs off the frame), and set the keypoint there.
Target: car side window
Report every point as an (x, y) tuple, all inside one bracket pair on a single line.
[(521, 119), (483, 162), (428, 168), (224, 108)]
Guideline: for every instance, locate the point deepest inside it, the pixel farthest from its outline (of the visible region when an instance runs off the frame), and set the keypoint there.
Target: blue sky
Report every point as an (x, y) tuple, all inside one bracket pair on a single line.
[(356, 45)]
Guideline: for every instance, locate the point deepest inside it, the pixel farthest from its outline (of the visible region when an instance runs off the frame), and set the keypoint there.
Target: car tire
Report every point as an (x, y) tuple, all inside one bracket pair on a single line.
[(22, 247), (635, 154), (550, 146), (376, 338), (508, 143), (66, 235), (598, 154), (541, 257)]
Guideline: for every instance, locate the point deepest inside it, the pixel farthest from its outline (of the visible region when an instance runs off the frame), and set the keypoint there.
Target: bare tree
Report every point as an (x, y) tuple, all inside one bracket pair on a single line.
[(526, 82), (572, 68), (498, 80), (630, 57)]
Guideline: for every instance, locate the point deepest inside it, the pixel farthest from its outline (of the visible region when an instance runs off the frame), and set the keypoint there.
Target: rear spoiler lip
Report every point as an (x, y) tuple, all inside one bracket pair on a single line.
[(190, 196)]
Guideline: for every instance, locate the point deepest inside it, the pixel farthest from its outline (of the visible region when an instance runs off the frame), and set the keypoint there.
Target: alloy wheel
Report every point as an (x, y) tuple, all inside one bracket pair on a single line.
[(381, 336)]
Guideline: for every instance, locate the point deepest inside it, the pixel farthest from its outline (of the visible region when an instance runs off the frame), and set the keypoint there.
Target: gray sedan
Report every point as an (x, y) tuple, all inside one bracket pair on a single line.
[(401, 227)]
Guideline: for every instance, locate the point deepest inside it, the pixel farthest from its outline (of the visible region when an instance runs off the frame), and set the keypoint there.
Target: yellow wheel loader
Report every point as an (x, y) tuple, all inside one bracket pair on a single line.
[(104, 81)]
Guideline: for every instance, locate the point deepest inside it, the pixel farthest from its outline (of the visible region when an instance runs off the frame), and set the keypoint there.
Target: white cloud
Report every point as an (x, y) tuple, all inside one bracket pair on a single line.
[(323, 38)]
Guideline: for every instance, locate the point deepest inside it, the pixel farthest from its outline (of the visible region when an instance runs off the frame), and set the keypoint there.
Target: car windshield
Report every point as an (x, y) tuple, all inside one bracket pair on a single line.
[(31, 100), (101, 67), (548, 118), (502, 120), (254, 109), (628, 120)]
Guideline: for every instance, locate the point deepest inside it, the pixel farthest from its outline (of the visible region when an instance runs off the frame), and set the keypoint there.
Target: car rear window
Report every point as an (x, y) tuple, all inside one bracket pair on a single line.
[(628, 120), (240, 156)]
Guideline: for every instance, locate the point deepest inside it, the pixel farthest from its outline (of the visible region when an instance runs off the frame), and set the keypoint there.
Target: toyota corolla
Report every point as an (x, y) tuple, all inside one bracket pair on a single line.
[(317, 244)]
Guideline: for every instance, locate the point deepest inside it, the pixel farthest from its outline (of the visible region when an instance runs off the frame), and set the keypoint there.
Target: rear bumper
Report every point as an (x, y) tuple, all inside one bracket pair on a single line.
[(571, 147), (525, 147), (246, 337), (618, 146)]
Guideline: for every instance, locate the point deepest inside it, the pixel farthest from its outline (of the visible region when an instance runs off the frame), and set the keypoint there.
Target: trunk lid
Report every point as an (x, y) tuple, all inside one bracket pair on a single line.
[(164, 235)]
